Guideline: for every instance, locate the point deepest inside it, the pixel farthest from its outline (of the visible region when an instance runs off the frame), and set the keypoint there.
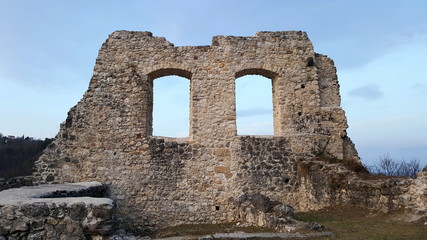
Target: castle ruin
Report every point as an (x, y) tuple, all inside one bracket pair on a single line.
[(158, 181)]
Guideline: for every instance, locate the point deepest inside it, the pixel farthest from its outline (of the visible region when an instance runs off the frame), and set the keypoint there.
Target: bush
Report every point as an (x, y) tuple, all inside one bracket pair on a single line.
[(390, 167)]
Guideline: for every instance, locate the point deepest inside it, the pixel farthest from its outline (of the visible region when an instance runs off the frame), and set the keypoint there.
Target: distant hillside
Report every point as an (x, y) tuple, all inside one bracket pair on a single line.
[(18, 154)]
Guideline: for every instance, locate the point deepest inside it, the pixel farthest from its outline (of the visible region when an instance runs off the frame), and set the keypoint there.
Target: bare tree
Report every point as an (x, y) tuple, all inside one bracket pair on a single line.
[(388, 166), (410, 168)]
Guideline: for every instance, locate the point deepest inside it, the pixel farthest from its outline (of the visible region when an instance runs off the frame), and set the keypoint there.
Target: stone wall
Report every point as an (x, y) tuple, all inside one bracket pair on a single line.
[(16, 182), (324, 182), (160, 181), (56, 212)]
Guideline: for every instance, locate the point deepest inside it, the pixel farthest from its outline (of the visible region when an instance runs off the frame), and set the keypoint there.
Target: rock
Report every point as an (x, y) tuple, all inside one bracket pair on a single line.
[(19, 226), (16, 182), (36, 236), (77, 211), (261, 202), (260, 210), (283, 210), (26, 213), (315, 226), (37, 225), (35, 209)]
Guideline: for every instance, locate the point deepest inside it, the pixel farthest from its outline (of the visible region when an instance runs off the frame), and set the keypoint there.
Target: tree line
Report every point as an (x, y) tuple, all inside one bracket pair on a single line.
[(17, 155)]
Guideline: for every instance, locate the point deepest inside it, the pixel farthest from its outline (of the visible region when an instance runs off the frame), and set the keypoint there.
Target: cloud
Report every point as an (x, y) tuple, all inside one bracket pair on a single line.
[(253, 112), (256, 128), (368, 92), (419, 87)]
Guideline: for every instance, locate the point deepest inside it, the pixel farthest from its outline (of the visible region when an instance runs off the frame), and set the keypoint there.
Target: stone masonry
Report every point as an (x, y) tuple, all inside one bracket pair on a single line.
[(158, 181), (56, 211)]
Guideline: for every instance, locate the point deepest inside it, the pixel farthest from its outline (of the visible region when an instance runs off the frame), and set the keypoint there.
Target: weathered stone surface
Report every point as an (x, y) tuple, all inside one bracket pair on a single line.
[(34, 213), (159, 181), (315, 226), (259, 210), (332, 184), (16, 182), (283, 210)]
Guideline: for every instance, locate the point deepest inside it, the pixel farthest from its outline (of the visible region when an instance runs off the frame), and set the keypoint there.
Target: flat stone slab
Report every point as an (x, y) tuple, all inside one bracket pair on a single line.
[(55, 193), (56, 211)]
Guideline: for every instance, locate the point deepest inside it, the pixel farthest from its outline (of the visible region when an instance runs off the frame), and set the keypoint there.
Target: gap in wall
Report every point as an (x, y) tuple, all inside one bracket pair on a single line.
[(171, 106), (254, 105)]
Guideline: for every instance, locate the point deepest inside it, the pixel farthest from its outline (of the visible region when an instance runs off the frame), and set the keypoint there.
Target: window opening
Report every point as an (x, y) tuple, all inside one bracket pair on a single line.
[(254, 105), (171, 106)]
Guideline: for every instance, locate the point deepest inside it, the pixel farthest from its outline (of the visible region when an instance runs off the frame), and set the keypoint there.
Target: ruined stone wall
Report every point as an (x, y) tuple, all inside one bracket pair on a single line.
[(16, 182), (333, 184), (63, 211), (159, 181)]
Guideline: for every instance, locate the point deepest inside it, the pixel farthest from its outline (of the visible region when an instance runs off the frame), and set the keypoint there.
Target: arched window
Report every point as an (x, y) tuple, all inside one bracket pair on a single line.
[(254, 104), (171, 96)]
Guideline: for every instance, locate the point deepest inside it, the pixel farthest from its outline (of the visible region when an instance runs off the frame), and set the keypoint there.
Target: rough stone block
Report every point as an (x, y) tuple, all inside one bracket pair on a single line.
[(27, 212)]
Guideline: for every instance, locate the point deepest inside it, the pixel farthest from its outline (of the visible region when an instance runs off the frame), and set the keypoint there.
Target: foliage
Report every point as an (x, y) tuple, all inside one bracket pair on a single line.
[(390, 167), (17, 155)]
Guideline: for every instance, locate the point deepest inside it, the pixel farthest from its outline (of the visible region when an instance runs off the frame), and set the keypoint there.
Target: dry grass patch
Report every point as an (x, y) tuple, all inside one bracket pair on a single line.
[(205, 229), (355, 223), (345, 222)]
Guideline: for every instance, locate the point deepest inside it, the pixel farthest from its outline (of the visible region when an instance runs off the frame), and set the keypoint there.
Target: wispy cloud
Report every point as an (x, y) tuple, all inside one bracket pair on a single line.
[(419, 87), (368, 92), (253, 112), (407, 37), (256, 128)]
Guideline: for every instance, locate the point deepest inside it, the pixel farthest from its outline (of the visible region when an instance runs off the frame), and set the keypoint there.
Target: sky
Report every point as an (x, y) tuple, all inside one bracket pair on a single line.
[(48, 50)]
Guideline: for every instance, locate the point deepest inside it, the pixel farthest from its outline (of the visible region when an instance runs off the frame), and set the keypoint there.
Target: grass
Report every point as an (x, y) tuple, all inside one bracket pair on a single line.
[(361, 224), (205, 229), (345, 222)]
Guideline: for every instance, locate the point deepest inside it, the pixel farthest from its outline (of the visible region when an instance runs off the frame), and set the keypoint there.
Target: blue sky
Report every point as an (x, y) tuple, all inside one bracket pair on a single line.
[(48, 50)]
